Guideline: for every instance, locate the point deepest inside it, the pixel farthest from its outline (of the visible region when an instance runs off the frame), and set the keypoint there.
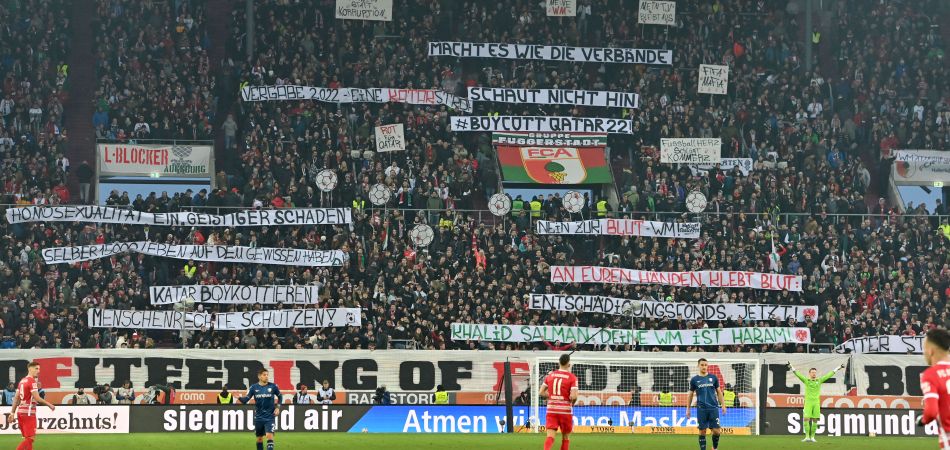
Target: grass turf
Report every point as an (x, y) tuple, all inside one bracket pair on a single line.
[(341, 441)]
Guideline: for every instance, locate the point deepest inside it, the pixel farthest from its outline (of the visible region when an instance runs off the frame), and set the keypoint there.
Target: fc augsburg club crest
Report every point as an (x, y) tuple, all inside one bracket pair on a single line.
[(553, 165)]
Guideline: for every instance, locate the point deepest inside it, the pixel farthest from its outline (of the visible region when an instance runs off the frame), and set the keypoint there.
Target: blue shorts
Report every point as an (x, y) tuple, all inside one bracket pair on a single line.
[(707, 418), (262, 427)]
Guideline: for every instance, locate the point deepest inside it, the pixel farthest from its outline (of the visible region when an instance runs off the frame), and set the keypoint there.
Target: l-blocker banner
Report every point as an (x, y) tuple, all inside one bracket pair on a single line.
[(621, 227), (230, 321), (606, 336), (221, 253), (649, 309), (248, 218), (234, 294), (711, 278)]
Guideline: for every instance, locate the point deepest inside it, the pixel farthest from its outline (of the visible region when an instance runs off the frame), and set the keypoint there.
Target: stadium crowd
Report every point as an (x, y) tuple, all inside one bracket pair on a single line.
[(35, 84), (819, 143), (154, 75)]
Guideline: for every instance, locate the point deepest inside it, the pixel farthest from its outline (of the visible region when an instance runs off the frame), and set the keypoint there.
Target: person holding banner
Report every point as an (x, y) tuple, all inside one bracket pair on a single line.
[(812, 411)]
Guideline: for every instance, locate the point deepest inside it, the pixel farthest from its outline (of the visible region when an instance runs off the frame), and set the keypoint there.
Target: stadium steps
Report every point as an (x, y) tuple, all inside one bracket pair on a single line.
[(219, 24), (82, 87)]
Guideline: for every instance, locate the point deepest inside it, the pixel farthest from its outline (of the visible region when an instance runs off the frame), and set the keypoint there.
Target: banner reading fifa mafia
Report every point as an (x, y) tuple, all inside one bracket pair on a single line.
[(883, 344), (216, 253), (355, 95), (227, 321), (710, 278), (577, 97), (247, 218), (234, 294), (621, 227), (542, 123), (648, 309), (597, 336), (551, 52)]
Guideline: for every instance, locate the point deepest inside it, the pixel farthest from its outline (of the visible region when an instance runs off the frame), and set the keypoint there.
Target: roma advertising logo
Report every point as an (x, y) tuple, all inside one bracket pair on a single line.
[(553, 165)]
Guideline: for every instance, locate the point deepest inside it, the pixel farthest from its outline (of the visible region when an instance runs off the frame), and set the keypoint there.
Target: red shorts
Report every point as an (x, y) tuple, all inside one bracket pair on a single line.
[(27, 425), (563, 422)]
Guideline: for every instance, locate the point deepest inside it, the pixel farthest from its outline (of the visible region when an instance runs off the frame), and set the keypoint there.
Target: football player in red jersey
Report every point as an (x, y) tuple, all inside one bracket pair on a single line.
[(935, 384), (560, 388), (24, 405)]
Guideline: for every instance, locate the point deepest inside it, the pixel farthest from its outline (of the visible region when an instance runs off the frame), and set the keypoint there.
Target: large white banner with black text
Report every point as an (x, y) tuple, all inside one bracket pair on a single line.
[(247, 218), (542, 123), (219, 253), (883, 344), (551, 52), (598, 336), (690, 150), (578, 97), (648, 309), (710, 278), (234, 294), (621, 227), (228, 321), (355, 95)]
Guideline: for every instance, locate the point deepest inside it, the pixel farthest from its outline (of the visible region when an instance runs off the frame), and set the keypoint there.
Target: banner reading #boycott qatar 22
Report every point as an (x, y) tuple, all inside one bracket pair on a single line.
[(710, 278)]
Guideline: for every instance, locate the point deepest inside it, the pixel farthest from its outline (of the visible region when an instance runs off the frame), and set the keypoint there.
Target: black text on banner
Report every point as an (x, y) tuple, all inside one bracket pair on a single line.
[(542, 123), (229, 321), (219, 253), (648, 309), (551, 52), (578, 97), (621, 227), (247, 218), (355, 95), (605, 336), (883, 344), (234, 294), (710, 278)]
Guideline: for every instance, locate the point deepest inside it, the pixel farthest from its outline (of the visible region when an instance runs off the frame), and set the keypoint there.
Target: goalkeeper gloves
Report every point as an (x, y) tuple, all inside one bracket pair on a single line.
[(788, 365), (841, 368), (920, 420)]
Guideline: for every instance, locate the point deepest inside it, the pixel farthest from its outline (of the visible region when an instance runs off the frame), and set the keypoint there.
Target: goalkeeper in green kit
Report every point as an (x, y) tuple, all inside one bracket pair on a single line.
[(812, 398)]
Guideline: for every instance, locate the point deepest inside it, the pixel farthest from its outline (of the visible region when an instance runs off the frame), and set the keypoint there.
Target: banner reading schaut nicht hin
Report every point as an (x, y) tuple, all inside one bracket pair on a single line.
[(150, 159)]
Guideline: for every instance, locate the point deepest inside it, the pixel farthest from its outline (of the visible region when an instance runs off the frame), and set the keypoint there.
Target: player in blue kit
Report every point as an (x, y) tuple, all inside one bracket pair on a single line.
[(708, 401), (266, 398)]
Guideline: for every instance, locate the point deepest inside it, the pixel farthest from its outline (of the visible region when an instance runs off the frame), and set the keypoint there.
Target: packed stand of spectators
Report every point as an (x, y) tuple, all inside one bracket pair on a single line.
[(883, 273), (154, 74), (34, 73)]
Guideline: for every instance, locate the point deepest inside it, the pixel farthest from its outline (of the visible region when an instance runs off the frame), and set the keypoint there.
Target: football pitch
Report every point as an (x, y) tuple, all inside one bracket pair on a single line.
[(343, 441)]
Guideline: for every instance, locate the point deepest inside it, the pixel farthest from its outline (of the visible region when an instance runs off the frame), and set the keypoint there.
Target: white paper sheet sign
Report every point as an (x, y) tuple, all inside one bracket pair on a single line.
[(713, 79)]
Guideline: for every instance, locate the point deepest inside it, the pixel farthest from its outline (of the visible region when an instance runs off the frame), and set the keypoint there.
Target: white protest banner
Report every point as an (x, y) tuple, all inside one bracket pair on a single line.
[(390, 138), (561, 8), (365, 9), (883, 344), (609, 99), (551, 52), (621, 227), (653, 12), (921, 166), (713, 79), (355, 95), (247, 218), (228, 321), (745, 166), (234, 294), (542, 123), (521, 139), (648, 309), (710, 278), (568, 334), (154, 159), (690, 150), (218, 253)]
